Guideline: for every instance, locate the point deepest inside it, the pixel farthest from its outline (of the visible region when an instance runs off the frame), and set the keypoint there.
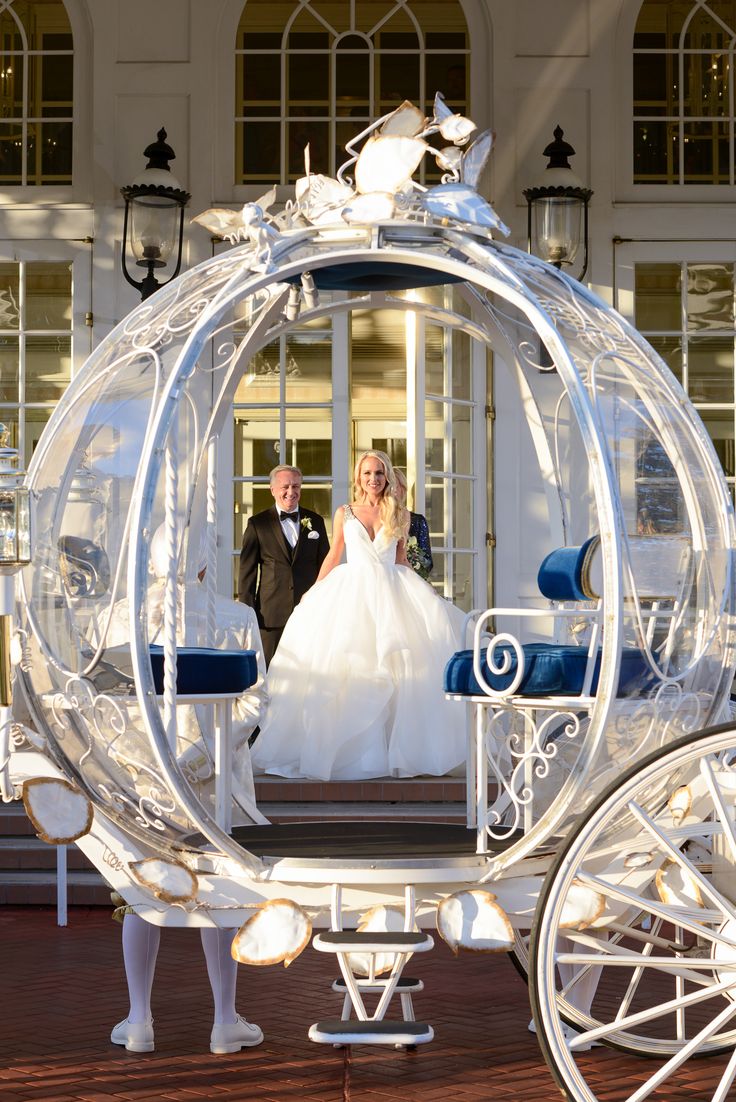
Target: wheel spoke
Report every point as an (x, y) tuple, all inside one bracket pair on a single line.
[(724, 818), (684, 1054), (726, 1080), (679, 857), (662, 910)]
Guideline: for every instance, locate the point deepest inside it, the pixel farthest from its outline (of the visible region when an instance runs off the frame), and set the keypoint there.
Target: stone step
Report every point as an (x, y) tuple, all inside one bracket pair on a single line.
[(31, 853), (379, 790), (14, 821), (85, 888), (423, 813)]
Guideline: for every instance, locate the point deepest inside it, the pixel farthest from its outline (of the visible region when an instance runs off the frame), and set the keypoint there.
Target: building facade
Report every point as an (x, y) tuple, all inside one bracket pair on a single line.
[(645, 93)]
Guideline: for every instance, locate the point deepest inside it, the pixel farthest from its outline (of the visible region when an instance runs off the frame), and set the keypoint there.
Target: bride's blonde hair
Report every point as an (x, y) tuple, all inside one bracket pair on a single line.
[(394, 516)]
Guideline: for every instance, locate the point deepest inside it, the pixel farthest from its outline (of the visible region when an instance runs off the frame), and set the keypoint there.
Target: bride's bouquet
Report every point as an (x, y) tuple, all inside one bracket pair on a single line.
[(417, 558)]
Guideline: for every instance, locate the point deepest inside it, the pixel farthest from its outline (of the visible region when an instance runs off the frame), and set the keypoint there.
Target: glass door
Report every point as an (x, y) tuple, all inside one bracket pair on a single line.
[(408, 381)]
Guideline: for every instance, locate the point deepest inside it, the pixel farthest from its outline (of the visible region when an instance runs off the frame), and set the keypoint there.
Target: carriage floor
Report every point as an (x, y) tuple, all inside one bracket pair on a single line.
[(359, 840)]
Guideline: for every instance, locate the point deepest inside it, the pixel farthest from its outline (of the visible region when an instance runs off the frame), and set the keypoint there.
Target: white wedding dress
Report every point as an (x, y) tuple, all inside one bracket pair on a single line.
[(355, 685)]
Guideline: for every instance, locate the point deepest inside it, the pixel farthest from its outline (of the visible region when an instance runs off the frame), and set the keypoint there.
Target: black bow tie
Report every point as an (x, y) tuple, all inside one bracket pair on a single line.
[(289, 516)]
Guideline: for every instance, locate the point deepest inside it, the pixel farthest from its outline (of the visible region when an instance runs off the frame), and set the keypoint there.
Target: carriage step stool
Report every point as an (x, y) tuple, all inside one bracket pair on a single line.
[(373, 1029)]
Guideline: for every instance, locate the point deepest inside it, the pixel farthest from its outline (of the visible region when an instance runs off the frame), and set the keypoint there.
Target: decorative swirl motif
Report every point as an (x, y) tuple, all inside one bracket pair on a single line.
[(518, 759)]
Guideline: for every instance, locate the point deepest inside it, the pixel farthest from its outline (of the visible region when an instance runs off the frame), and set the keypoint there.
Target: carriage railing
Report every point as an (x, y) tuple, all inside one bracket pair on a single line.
[(531, 703)]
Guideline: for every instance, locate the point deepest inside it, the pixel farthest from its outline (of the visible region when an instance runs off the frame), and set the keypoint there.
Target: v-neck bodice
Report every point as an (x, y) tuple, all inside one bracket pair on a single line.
[(359, 545)]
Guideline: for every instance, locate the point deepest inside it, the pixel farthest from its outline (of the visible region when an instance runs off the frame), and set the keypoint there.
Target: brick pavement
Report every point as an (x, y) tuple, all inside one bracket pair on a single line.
[(63, 989)]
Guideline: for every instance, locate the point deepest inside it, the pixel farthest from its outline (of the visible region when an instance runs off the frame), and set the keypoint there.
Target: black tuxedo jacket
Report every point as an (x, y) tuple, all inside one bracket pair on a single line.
[(273, 578)]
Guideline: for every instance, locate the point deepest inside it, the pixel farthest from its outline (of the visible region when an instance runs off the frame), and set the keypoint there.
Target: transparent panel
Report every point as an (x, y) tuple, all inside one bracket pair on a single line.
[(658, 305), (656, 146), (256, 442), (259, 77), (309, 441), (352, 73), (260, 381), (300, 134), (35, 422), (462, 581), (399, 78), (462, 512), (447, 73), (462, 439), (461, 364), (670, 349), (9, 369), (434, 436), (48, 368), (720, 426), (309, 362), (710, 295), (710, 369), (9, 418), (261, 156), (379, 362), (435, 342), (308, 82), (702, 142), (11, 153), (48, 296)]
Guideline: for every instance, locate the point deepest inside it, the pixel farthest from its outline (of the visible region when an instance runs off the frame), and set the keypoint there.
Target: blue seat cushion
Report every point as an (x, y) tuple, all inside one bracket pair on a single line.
[(549, 670), (201, 670)]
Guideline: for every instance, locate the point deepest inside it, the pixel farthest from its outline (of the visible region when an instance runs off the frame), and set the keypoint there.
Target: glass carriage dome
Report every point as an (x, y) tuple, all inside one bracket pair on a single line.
[(626, 467)]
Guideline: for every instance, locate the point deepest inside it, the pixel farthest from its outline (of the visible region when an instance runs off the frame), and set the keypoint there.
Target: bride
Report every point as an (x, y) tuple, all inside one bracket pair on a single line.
[(355, 685)]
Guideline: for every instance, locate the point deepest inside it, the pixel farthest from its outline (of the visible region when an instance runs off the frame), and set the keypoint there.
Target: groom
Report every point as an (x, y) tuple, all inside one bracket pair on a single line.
[(283, 549)]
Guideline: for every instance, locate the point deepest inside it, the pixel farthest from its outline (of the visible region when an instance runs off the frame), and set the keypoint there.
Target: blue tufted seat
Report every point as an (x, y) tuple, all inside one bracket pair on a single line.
[(207, 671), (550, 669)]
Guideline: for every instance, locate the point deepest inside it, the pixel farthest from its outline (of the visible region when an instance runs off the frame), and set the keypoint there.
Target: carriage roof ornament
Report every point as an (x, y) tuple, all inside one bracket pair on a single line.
[(384, 158)]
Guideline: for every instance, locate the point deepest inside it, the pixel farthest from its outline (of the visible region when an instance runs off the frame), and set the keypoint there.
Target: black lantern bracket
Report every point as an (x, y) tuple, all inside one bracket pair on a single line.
[(154, 202), (557, 204)]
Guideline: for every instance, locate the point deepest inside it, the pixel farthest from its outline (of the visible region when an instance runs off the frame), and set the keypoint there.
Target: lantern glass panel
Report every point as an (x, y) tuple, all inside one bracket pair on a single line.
[(15, 542), (154, 228), (557, 228)]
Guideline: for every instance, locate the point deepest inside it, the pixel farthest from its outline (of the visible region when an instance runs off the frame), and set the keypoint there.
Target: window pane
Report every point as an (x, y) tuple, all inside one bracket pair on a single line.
[(461, 367), (308, 80), (260, 79), (256, 443), (9, 418), (48, 368), (399, 79), (462, 581), (35, 422), (658, 297), (720, 427), (48, 296), (11, 153), (9, 376), (710, 296), (710, 369), (261, 152), (309, 441), (9, 281), (300, 134), (309, 363), (670, 349)]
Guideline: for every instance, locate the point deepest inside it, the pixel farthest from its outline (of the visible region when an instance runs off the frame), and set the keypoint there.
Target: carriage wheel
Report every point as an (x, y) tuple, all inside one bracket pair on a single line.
[(655, 973)]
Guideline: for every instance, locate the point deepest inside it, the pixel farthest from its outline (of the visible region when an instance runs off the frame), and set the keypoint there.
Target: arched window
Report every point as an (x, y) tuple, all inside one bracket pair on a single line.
[(36, 93), (684, 92), (316, 73)]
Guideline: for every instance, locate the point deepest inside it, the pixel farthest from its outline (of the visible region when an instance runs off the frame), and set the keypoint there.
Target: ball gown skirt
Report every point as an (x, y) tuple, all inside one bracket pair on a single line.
[(355, 685)]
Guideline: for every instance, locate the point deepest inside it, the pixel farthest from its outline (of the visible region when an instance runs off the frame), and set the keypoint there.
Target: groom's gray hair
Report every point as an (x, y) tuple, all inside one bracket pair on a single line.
[(280, 468)]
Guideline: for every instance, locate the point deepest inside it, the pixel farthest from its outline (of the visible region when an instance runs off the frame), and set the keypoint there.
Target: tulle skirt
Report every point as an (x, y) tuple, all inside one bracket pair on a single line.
[(355, 685)]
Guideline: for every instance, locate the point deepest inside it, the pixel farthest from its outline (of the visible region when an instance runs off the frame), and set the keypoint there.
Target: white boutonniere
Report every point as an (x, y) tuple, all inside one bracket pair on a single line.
[(306, 523)]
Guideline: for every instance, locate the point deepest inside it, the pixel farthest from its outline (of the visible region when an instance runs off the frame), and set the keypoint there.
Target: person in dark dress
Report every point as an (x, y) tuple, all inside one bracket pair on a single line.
[(418, 549), (283, 550)]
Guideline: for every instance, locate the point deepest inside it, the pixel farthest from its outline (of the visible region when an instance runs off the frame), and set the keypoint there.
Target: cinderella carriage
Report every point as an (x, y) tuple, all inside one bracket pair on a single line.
[(600, 842)]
